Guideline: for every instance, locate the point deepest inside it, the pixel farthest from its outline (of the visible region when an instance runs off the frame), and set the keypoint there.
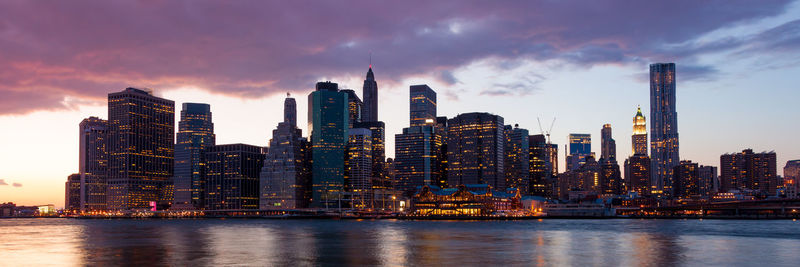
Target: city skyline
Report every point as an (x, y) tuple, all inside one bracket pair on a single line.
[(569, 99)]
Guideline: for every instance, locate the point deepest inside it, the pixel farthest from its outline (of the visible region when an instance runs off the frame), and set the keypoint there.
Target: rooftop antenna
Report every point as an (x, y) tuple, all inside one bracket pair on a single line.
[(370, 59)]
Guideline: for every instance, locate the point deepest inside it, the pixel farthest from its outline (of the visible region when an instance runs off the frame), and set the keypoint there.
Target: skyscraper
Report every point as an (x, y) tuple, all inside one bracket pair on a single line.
[(358, 166), (328, 121), (709, 181), (370, 92), (748, 170), (517, 159), (580, 147), (637, 174), (141, 144), (475, 150), (195, 134), (354, 106), (423, 105), (608, 146), (377, 131), (686, 182), (639, 137), (539, 163), (93, 164), (232, 176), (416, 157), (664, 126), (285, 177)]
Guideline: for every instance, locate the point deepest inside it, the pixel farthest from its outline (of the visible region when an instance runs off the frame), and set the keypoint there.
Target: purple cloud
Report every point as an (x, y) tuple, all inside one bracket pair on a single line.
[(84, 50), (17, 185), (3, 182)]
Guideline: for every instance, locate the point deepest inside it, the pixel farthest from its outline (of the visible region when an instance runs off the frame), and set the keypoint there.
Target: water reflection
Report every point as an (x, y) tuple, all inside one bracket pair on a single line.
[(397, 243)]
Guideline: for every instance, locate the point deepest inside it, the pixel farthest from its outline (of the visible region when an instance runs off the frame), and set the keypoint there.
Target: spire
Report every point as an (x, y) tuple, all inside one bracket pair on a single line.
[(639, 111), (370, 75)]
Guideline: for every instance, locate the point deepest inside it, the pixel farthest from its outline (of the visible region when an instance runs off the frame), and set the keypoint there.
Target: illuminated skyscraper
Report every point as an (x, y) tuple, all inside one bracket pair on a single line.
[(423, 105), (232, 176), (663, 126), (93, 164), (370, 92), (377, 132), (195, 133), (639, 137), (328, 121), (517, 159), (141, 144), (358, 166), (285, 178), (354, 106), (580, 147), (416, 157), (475, 150), (543, 165)]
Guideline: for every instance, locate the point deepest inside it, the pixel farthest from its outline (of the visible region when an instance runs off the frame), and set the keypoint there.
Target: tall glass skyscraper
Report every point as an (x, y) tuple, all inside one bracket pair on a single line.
[(580, 147), (422, 105), (195, 133), (141, 144), (370, 93), (93, 164), (328, 121), (663, 127), (475, 150)]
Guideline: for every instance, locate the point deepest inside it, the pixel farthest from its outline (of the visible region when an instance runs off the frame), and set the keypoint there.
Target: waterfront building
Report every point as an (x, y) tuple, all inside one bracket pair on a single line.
[(195, 134), (580, 147), (664, 126), (475, 144), (517, 161), (637, 174), (328, 121), (232, 176), (639, 136), (72, 193), (709, 181), (686, 182), (141, 146), (358, 167), (416, 157), (354, 106), (93, 164), (369, 112), (791, 176), (748, 170), (285, 178), (464, 200), (422, 105)]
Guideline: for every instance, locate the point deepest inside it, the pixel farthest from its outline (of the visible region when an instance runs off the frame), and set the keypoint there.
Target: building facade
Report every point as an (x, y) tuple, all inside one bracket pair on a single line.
[(416, 157), (328, 121), (517, 159), (475, 150), (354, 106), (748, 170), (141, 146), (285, 178), (93, 164), (664, 126), (377, 132), (358, 167), (422, 105), (195, 134), (232, 176)]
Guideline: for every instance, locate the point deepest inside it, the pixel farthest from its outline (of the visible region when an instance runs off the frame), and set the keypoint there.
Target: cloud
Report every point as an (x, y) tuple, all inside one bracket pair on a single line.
[(57, 51), (3, 182), (17, 185)]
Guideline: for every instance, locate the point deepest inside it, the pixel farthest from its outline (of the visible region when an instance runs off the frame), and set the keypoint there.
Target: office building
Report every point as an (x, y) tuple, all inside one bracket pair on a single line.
[(93, 164), (416, 157), (664, 126), (354, 106), (422, 105), (370, 93), (580, 147), (285, 178), (540, 165), (686, 182), (141, 146), (517, 159), (328, 121), (195, 134), (72, 193), (377, 131), (232, 176), (637, 174), (358, 167), (748, 170), (475, 150)]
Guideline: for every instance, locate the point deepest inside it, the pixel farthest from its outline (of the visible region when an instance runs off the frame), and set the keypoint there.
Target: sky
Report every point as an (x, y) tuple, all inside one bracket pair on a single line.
[(584, 63)]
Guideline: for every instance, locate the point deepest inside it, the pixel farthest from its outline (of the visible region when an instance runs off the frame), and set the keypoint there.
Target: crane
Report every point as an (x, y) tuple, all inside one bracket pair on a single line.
[(547, 133)]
